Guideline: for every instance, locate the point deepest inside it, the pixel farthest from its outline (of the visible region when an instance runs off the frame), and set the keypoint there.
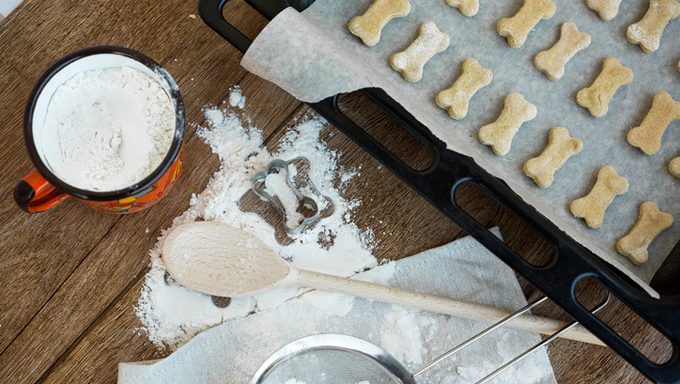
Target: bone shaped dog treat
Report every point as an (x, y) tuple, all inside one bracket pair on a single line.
[(466, 7), (456, 99), (607, 9), (516, 29), (674, 167), (651, 221), (647, 32), (410, 62), (596, 98), (368, 27), (552, 61), (516, 111), (560, 148), (648, 135), (593, 206)]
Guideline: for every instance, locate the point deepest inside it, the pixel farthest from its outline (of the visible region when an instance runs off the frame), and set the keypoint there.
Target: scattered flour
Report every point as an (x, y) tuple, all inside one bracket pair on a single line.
[(236, 98), (170, 314), (110, 128), (402, 335)]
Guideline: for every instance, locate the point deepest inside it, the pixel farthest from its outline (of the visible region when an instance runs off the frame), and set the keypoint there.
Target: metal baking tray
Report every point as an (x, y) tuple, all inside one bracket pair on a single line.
[(571, 262)]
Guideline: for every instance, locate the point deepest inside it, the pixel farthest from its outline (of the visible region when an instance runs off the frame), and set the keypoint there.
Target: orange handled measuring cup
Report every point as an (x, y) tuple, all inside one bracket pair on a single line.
[(41, 189)]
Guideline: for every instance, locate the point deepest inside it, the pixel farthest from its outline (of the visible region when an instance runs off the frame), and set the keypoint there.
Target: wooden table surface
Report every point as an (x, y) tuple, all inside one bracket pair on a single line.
[(71, 277)]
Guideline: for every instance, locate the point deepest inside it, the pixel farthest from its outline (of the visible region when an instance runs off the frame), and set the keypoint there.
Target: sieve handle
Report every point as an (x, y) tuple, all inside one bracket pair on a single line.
[(442, 305)]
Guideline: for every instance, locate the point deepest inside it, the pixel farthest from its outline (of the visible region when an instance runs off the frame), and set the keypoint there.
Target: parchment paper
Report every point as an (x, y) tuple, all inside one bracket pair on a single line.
[(230, 353), (313, 56)]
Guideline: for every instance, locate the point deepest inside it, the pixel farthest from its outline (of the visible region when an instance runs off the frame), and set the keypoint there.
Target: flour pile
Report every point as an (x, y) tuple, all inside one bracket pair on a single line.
[(108, 129), (170, 314)]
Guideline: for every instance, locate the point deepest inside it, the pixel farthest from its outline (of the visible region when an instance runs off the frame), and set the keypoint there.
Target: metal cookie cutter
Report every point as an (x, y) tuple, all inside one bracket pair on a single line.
[(275, 167)]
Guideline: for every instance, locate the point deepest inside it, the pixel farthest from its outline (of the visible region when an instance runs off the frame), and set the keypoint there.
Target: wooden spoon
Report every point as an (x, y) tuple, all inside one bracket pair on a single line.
[(221, 260)]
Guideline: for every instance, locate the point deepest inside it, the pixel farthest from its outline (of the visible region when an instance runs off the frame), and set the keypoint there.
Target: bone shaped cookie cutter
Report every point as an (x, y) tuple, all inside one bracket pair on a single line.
[(648, 135), (516, 29), (553, 61), (648, 31), (650, 223), (292, 224), (597, 97), (411, 61), (592, 207), (606, 9), (456, 99), (468, 8), (560, 148), (368, 27), (499, 134)]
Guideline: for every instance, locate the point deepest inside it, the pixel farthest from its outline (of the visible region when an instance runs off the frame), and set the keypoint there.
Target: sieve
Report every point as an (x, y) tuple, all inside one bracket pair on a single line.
[(343, 359)]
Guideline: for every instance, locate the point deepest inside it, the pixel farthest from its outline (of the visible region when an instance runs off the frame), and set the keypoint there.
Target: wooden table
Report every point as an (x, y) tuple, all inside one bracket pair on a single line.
[(71, 277)]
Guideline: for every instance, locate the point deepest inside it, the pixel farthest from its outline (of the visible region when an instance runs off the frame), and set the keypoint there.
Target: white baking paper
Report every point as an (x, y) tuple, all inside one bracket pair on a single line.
[(230, 353), (313, 56)]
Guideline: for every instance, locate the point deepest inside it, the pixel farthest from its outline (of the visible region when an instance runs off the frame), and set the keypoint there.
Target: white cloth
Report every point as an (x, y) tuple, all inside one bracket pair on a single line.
[(7, 6), (464, 270)]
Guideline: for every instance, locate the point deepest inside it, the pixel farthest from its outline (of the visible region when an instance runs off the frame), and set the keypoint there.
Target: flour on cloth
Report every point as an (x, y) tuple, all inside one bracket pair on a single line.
[(462, 270)]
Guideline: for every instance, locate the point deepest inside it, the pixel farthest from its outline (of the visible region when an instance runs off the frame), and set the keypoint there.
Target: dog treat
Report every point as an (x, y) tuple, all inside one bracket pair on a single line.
[(651, 221), (516, 111), (647, 32), (515, 29), (552, 61), (596, 98), (560, 148), (606, 9), (456, 99), (410, 62), (648, 135), (368, 27), (593, 206), (466, 7), (674, 167)]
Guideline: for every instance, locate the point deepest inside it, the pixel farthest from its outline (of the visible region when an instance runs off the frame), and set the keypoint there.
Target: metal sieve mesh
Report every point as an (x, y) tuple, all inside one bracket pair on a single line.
[(326, 366), (341, 359), (332, 359)]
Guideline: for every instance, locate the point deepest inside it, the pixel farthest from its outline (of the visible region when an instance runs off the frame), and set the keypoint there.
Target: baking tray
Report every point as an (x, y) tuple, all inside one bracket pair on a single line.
[(571, 262)]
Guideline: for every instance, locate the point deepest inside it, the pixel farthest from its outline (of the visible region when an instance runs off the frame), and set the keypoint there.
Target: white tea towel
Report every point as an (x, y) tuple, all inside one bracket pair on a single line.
[(7, 6), (230, 353)]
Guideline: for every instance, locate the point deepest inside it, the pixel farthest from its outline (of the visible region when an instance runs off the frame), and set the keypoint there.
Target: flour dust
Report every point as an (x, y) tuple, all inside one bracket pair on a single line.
[(171, 314)]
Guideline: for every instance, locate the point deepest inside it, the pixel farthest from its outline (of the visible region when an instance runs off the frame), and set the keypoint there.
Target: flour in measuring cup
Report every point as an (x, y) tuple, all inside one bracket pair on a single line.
[(110, 127)]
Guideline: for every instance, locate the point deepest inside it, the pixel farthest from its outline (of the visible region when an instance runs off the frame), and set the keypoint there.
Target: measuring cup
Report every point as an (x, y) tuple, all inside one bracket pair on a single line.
[(41, 189)]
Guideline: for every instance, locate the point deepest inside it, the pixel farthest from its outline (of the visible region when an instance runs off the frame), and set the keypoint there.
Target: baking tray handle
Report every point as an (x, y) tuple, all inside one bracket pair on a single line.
[(557, 280), (211, 13)]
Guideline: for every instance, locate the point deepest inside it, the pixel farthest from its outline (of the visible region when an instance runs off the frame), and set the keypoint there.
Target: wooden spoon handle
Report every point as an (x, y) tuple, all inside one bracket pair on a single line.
[(441, 305)]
